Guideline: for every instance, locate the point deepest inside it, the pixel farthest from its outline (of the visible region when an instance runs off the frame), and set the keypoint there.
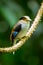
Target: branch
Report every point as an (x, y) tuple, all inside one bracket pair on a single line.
[(28, 35)]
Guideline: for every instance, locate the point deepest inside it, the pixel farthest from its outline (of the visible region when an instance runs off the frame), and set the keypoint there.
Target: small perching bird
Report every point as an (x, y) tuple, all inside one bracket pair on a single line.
[(20, 29)]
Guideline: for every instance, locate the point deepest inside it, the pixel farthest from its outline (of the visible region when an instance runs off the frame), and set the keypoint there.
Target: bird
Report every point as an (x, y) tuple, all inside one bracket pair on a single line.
[(20, 29)]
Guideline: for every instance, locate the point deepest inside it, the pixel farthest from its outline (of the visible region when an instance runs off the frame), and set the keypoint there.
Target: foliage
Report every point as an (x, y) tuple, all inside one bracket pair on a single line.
[(31, 53)]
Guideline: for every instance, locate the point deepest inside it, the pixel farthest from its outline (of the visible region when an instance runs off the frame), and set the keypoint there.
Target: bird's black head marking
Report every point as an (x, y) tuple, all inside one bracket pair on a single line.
[(22, 18)]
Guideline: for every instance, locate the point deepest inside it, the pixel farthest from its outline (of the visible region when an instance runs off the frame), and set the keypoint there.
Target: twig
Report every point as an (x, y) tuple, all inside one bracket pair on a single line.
[(28, 35)]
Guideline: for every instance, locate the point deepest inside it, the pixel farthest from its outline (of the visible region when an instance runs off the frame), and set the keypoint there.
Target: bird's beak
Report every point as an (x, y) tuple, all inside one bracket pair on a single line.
[(30, 19)]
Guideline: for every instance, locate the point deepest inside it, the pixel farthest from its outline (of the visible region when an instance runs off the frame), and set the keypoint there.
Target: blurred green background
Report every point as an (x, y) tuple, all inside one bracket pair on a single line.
[(31, 53)]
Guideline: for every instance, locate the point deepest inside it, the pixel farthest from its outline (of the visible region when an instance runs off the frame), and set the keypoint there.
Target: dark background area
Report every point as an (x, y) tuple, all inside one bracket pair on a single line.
[(31, 53)]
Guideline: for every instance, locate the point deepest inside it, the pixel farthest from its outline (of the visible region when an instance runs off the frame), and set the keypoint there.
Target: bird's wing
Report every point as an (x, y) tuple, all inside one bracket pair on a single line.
[(16, 29)]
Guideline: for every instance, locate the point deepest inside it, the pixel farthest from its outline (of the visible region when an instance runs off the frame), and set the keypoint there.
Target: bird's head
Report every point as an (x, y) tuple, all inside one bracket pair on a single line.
[(25, 18)]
